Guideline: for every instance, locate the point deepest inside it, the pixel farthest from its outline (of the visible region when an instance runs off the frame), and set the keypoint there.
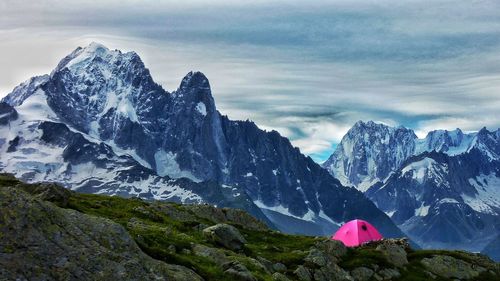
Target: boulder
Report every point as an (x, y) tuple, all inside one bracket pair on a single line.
[(259, 265), (266, 263), (237, 271), (303, 273), (316, 258), (217, 256), (279, 267), (332, 272), (225, 235), (362, 273), (393, 252), (450, 267), (389, 273), (332, 248)]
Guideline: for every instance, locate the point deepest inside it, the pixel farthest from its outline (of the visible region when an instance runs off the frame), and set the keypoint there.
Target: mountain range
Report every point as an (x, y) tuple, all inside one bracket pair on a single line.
[(98, 123), (442, 190)]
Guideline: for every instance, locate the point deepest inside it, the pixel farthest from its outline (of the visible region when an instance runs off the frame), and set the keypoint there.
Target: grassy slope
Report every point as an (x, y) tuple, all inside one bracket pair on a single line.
[(154, 231)]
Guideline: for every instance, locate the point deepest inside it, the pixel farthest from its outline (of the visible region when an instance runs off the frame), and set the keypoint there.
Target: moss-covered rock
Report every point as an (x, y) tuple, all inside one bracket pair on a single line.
[(450, 267), (225, 235), (41, 241)]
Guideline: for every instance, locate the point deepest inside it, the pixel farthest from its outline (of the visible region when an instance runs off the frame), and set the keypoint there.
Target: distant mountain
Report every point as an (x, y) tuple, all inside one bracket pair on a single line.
[(493, 249), (444, 190), (370, 152), (100, 124)]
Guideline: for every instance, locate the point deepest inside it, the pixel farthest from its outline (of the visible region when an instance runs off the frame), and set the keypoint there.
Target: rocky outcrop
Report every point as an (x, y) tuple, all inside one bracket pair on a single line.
[(225, 235), (362, 273), (215, 255), (7, 113), (228, 215), (40, 241), (449, 267), (394, 252)]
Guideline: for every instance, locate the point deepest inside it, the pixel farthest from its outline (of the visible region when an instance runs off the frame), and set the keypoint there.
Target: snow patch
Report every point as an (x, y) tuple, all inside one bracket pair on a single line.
[(201, 108), (166, 165), (422, 211), (309, 216), (488, 194)]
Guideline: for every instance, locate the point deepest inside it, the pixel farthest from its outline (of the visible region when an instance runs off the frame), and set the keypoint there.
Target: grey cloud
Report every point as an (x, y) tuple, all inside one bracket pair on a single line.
[(309, 70)]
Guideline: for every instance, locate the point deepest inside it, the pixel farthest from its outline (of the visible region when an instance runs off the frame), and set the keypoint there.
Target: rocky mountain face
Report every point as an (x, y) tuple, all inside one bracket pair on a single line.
[(493, 249), (51, 233), (371, 152), (100, 124), (443, 191)]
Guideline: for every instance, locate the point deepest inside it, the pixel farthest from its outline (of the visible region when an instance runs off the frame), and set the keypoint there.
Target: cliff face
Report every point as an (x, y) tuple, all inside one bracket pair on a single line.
[(51, 233)]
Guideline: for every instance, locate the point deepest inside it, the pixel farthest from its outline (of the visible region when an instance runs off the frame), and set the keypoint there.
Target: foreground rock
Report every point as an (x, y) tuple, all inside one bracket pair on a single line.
[(225, 235), (40, 241)]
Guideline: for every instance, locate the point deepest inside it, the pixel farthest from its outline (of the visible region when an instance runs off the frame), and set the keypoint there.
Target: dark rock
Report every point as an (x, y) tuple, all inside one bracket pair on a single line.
[(48, 192), (228, 215), (13, 144), (7, 113)]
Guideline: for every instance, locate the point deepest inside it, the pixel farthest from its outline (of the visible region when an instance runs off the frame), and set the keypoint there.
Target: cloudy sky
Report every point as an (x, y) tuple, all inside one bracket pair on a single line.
[(307, 70)]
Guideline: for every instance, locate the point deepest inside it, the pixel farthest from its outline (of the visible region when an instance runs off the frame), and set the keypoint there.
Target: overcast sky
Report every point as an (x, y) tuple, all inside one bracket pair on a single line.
[(307, 70)]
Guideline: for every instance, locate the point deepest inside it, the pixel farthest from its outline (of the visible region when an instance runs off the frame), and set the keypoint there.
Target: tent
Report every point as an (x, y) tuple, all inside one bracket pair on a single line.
[(356, 232)]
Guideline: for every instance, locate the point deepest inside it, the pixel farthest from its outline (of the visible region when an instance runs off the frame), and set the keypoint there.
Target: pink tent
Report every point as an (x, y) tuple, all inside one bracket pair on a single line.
[(356, 232)]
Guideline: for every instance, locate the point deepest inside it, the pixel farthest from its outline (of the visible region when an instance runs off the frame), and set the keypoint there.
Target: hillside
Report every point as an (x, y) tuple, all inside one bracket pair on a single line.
[(51, 233)]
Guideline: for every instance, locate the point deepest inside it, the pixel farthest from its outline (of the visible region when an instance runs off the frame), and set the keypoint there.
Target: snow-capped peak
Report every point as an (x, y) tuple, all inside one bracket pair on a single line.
[(371, 152), (24, 90)]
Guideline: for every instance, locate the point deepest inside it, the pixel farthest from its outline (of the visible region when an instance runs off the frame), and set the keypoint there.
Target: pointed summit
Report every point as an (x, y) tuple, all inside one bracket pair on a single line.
[(194, 79)]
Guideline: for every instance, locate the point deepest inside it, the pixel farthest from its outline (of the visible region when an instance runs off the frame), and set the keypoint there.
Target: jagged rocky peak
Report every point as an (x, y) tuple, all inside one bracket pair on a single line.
[(94, 53), (194, 91), (367, 144), (370, 152), (194, 79), (24, 90)]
